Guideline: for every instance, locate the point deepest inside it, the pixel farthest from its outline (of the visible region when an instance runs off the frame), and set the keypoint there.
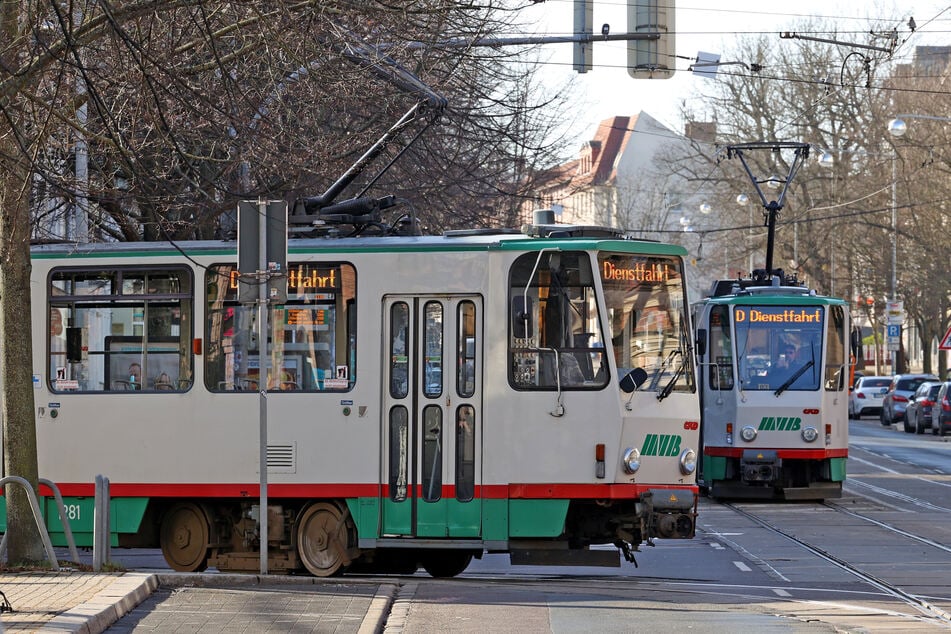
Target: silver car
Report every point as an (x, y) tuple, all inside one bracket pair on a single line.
[(902, 387), (866, 397)]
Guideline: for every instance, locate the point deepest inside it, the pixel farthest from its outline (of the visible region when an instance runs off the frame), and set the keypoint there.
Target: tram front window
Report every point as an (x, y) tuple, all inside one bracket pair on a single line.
[(779, 347), (555, 338), (646, 302)]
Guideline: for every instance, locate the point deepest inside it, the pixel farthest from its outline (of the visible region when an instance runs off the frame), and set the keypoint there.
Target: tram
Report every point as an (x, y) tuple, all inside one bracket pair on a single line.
[(428, 399), (773, 379)]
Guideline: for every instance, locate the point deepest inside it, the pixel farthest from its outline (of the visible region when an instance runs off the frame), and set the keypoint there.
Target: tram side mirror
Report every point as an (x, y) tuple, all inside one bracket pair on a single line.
[(701, 342), (522, 317), (74, 344), (633, 379)]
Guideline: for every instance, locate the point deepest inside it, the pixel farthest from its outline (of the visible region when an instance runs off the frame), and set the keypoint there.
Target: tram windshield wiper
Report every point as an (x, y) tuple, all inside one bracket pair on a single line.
[(664, 393), (785, 386)]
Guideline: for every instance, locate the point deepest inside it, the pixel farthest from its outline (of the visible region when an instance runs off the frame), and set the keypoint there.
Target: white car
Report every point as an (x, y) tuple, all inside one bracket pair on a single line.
[(866, 397)]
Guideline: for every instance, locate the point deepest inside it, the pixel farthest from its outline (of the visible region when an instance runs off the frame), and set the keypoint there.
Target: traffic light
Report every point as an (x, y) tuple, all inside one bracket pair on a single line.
[(651, 59)]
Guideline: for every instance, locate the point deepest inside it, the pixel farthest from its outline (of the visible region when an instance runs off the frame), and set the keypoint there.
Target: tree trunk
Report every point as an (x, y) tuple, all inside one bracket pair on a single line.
[(16, 339), (16, 359)]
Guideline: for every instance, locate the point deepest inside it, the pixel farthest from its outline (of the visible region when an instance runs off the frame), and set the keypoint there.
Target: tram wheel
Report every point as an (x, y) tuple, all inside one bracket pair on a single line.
[(445, 563), (184, 537), (324, 537)]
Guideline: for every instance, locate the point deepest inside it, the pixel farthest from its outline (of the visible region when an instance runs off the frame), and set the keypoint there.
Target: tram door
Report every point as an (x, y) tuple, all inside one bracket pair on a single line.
[(432, 416)]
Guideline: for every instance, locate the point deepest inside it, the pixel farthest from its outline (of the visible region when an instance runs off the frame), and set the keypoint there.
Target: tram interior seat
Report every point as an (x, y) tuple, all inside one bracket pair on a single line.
[(163, 383)]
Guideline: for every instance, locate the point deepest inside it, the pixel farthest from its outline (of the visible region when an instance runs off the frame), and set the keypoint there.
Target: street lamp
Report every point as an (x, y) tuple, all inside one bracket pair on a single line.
[(897, 128)]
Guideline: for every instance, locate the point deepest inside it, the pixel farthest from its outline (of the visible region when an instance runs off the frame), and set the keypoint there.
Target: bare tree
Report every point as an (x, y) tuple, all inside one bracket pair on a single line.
[(836, 228), (185, 107)]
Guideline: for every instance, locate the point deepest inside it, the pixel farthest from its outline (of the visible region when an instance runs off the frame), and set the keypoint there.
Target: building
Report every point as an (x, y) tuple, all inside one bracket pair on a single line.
[(626, 177)]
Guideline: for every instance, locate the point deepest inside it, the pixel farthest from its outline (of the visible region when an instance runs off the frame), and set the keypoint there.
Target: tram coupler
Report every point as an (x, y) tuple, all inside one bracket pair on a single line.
[(761, 466), (627, 551)]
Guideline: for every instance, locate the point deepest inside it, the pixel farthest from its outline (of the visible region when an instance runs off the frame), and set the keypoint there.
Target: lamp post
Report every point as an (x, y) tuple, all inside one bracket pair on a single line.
[(897, 128)]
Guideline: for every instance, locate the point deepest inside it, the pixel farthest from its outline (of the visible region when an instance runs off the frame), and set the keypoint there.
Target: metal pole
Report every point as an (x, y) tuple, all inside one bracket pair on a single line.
[(262, 377), (894, 354)]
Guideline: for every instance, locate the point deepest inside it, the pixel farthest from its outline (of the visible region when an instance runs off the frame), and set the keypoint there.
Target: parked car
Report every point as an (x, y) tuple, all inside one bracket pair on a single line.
[(855, 379), (941, 412), (899, 391), (920, 404), (866, 397)]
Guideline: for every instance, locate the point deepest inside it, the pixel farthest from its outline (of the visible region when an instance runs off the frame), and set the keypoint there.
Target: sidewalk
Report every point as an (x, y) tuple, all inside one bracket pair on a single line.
[(90, 603), (70, 601)]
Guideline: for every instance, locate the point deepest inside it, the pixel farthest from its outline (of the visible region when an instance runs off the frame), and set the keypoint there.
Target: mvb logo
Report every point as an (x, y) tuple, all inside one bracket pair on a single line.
[(780, 423), (661, 445)]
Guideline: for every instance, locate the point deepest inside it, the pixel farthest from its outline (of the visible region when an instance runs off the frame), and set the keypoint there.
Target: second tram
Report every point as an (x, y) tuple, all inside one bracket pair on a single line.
[(773, 376)]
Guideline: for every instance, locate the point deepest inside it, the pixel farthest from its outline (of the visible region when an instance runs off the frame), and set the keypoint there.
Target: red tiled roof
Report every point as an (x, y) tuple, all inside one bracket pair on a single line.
[(613, 135)]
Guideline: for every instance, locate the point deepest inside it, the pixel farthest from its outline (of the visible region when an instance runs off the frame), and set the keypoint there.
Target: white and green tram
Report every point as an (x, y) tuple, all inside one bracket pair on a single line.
[(428, 399), (773, 359)]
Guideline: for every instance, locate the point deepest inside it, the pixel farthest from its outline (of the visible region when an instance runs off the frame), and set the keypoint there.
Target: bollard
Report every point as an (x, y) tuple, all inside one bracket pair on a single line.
[(101, 542)]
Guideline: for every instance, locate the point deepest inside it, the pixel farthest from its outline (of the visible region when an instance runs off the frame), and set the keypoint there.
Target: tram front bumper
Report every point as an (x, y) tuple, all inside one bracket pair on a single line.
[(670, 513), (760, 467)]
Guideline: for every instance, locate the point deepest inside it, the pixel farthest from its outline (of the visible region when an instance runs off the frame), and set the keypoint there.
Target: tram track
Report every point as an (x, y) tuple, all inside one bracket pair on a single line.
[(919, 604)]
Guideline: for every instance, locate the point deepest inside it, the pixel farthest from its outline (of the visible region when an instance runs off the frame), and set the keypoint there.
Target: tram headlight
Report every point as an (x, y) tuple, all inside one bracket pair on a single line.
[(809, 434), (748, 433), (688, 461), (631, 460)]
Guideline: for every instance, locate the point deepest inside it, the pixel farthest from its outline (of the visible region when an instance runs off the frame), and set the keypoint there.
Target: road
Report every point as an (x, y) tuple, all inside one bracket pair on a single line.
[(875, 560)]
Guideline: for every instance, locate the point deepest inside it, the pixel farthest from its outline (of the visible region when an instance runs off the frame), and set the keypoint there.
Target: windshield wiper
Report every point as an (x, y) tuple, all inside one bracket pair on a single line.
[(685, 344), (785, 386), (659, 372), (664, 393)]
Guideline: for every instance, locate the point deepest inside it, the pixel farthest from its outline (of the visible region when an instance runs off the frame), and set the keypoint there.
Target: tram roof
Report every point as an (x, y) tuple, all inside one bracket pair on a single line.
[(454, 242), (776, 298)]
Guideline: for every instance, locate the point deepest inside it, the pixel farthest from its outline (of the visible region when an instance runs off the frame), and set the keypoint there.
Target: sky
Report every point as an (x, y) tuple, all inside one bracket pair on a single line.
[(711, 27)]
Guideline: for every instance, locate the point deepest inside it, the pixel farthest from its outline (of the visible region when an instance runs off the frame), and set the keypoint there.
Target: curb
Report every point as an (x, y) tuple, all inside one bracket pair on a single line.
[(379, 609), (106, 607)]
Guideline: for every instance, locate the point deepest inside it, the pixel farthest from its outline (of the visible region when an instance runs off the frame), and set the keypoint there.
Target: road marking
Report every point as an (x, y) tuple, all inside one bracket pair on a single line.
[(717, 545), (781, 592), (742, 566)]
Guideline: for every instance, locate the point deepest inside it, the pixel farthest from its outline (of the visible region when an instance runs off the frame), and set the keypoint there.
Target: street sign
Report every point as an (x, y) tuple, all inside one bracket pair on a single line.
[(894, 312), (945, 341), (893, 330)]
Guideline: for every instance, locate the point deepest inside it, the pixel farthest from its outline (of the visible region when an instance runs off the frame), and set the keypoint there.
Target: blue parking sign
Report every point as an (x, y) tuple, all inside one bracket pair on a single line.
[(894, 330)]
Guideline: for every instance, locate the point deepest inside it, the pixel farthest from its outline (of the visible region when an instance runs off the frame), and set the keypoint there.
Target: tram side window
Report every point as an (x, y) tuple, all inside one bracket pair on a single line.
[(432, 453), (555, 338), (432, 334), (399, 345), (465, 452), (399, 453), (721, 349), (120, 329), (312, 337), (465, 353), (835, 344)]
